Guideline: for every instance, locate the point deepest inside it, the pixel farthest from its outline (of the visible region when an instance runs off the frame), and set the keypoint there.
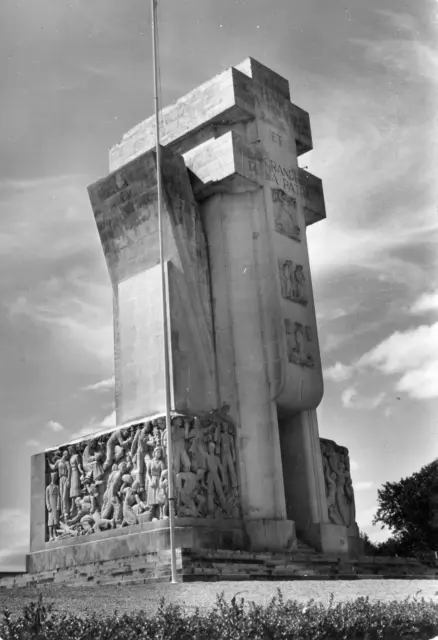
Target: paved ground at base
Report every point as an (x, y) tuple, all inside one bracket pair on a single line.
[(104, 599)]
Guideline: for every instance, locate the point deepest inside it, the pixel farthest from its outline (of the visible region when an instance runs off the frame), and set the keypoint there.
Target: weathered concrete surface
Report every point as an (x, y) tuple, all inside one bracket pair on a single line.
[(239, 136), (303, 479), (38, 517), (222, 102), (125, 207), (141, 540), (203, 565)]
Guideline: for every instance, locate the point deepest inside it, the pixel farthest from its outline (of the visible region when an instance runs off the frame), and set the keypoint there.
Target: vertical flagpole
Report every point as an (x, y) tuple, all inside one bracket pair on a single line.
[(164, 301)]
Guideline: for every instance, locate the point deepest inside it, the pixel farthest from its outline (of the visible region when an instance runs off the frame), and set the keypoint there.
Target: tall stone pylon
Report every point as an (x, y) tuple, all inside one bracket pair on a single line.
[(242, 322)]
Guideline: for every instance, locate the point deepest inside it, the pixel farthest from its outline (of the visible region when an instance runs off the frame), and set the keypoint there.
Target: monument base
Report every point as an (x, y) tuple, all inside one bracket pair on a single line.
[(271, 535), (332, 538), (141, 539), (150, 537)]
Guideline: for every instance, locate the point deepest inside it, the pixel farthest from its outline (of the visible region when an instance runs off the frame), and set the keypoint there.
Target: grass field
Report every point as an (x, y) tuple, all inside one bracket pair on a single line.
[(104, 599)]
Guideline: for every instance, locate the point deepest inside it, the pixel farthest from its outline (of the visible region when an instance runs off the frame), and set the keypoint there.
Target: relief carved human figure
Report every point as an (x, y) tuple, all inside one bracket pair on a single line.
[(215, 476), (142, 445), (112, 502), (293, 282), (285, 214), (299, 283), (344, 494), (332, 506), (298, 339), (82, 508), (119, 438), (340, 494), (62, 466), (196, 433), (130, 500), (94, 497), (155, 467), (76, 473), (53, 505), (224, 437), (185, 484), (286, 273), (163, 494), (181, 460), (349, 492), (88, 456)]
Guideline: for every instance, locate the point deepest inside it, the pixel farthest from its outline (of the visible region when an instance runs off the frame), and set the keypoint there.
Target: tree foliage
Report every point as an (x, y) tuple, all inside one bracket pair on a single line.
[(408, 508)]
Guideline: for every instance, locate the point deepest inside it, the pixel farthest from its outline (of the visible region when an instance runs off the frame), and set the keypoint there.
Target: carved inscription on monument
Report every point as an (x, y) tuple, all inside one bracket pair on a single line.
[(338, 483), (293, 281), (285, 214), (285, 178), (299, 339), (120, 479), (276, 137)]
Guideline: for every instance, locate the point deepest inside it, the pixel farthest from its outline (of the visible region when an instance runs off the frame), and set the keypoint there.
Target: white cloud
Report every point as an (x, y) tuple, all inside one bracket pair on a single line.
[(363, 486), (426, 302), (102, 385), (351, 400), (54, 426), (330, 313), (421, 383), (412, 353), (109, 421), (94, 426), (76, 311), (34, 212), (347, 396), (14, 537), (378, 535), (364, 517), (383, 134), (85, 431), (338, 373), (354, 465), (331, 342), (33, 444), (364, 520)]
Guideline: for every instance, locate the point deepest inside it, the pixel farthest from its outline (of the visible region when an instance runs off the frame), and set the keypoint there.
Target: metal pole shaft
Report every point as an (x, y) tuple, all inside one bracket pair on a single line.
[(164, 301)]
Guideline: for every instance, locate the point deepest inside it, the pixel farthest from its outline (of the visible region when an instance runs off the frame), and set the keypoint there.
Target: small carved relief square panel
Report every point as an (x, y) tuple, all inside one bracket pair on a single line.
[(299, 339), (293, 281), (285, 214)]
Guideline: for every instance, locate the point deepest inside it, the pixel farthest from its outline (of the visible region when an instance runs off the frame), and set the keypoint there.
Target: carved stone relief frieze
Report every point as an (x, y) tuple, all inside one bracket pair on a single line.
[(299, 339), (293, 281), (338, 483), (285, 214), (120, 479)]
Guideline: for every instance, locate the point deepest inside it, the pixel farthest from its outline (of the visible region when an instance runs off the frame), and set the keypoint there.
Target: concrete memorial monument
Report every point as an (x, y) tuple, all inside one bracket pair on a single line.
[(249, 469)]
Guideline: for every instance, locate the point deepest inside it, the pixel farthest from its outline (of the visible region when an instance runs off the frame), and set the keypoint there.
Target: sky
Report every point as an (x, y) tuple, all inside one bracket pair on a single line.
[(76, 75)]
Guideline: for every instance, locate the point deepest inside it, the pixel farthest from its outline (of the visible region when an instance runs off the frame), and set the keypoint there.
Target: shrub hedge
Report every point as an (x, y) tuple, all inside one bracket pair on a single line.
[(235, 620)]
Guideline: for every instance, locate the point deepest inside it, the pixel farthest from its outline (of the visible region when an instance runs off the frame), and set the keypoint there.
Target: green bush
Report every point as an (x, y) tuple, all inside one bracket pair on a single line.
[(235, 620)]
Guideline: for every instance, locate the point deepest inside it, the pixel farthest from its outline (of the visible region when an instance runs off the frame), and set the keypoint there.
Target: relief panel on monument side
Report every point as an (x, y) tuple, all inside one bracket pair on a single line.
[(285, 214), (293, 282), (338, 484), (299, 343), (120, 479)]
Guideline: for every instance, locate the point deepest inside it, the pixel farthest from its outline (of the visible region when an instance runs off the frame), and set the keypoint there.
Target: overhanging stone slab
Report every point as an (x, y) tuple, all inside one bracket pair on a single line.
[(226, 99), (221, 165), (273, 90), (221, 103), (313, 204)]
